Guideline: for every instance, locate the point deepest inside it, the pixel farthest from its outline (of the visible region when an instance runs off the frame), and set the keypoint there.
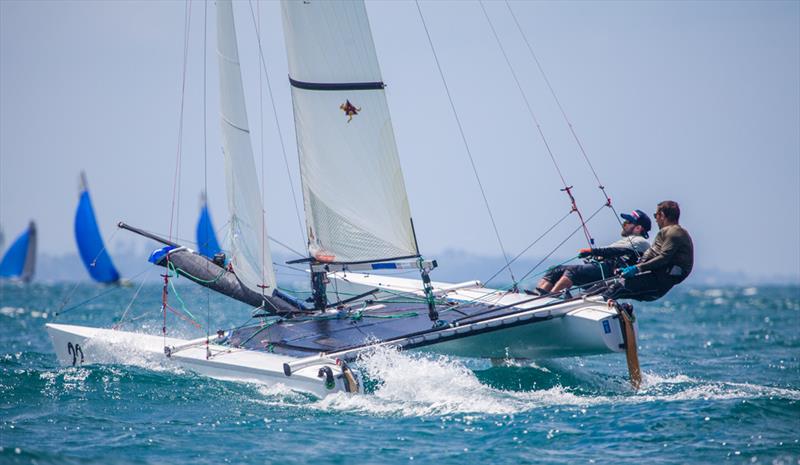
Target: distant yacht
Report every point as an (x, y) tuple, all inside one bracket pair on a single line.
[(19, 261), (93, 252)]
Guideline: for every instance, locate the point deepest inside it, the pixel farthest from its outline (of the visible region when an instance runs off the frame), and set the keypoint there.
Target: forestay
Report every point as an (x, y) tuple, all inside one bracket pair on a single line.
[(355, 198), (251, 256)]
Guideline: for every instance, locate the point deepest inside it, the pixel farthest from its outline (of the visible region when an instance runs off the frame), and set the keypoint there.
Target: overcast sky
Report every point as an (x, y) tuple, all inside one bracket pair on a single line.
[(698, 102)]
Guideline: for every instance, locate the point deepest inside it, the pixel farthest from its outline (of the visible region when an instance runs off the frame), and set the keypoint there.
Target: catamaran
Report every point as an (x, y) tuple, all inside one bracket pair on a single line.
[(358, 224)]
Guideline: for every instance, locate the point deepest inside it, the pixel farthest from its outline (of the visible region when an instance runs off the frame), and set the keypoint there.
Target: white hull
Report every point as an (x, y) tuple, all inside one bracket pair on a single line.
[(575, 329), (81, 345), (571, 329)]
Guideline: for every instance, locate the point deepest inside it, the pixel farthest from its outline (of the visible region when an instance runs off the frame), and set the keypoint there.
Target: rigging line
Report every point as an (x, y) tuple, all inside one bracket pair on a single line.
[(103, 249), (567, 188), (561, 243), (261, 149), (66, 299), (107, 291), (293, 268), (555, 97), (285, 246), (130, 304), (530, 245), (205, 98), (600, 185), (263, 63), (205, 147), (176, 178), (464, 140)]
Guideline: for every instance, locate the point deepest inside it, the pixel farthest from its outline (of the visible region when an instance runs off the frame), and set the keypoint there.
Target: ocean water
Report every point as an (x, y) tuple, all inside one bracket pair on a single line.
[(721, 385)]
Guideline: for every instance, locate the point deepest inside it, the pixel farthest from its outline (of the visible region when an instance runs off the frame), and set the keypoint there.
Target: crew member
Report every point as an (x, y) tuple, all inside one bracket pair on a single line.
[(668, 262), (604, 260)]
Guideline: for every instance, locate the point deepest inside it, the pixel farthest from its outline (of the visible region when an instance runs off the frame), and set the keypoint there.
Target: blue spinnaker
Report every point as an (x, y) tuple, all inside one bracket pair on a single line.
[(206, 239), (90, 243), (20, 259)]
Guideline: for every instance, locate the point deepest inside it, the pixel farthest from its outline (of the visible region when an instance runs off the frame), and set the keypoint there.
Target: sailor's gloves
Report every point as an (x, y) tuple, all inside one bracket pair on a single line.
[(629, 271)]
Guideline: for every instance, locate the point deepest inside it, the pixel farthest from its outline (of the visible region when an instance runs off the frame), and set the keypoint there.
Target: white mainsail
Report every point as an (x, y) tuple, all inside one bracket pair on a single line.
[(355, 197), (251, 256)]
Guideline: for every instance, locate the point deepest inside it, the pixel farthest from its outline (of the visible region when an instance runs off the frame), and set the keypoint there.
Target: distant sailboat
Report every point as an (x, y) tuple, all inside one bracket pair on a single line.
[(207, 244), (90, 243), (19, 262)]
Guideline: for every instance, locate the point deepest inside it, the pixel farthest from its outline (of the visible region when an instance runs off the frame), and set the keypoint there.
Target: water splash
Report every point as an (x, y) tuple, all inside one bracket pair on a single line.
[(419, 385)]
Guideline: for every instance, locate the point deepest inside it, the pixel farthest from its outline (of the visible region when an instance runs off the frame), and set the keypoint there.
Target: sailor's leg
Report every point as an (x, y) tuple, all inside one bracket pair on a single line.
[(544, 285), (578, 275), (550, 278), (563, 283)]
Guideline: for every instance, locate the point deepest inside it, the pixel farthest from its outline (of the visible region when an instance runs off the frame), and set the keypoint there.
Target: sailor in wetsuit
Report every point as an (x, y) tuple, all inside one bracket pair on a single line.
[(668, 262), (605, 260)]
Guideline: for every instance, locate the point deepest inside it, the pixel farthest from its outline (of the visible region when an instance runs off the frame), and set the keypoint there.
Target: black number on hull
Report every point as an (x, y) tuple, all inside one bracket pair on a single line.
[(74, 350)]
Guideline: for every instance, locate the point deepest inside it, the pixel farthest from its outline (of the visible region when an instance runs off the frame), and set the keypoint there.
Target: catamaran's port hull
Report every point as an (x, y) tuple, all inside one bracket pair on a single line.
[(81, 345)]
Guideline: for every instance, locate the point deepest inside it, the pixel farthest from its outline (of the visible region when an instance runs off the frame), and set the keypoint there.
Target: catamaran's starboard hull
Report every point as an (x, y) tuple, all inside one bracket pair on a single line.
[(81, 345), (552, 329), (587, 330), (498, 324)]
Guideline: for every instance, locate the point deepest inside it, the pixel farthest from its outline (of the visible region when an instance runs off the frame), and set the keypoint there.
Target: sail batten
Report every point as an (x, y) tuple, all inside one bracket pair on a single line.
[(251, 257), (353, 189), (336, 85)]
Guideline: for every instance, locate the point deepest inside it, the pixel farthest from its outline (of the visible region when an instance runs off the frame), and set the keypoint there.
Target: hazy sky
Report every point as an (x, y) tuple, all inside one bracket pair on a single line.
[(697, 102)]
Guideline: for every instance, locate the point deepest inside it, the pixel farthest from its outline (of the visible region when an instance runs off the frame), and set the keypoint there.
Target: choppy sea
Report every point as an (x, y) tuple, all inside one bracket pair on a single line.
[(721, 385)]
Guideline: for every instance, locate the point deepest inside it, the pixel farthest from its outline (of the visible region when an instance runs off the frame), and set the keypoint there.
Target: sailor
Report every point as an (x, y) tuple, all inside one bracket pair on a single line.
[(601, 262), (668, 262)]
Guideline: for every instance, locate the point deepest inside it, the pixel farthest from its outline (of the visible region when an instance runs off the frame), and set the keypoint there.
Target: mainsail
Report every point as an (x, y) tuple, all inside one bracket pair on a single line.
[(250, 254), (355, 198), (207, 244), (19, 261), (90, 243)]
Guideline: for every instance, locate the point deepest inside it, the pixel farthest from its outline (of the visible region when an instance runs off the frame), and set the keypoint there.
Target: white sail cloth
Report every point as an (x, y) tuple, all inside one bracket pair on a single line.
[(251, 256), (355, 197)]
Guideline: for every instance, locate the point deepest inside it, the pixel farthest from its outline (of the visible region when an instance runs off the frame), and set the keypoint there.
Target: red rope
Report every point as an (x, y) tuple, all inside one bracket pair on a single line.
[(184, 317)]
